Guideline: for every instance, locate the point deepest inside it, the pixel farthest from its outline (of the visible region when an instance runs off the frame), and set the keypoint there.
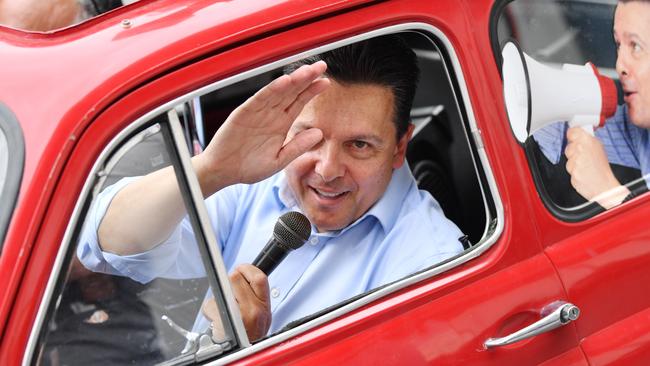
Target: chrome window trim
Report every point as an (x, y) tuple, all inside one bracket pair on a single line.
[(493, 229), (13, 147), (236, 323)]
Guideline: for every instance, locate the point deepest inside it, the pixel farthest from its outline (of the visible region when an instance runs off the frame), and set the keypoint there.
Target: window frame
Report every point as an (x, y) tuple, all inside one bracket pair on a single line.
[(493, 206), (9, 189)]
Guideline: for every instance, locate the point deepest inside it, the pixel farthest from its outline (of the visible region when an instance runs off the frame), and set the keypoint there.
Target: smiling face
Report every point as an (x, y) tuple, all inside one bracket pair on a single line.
[(338, 180), (632, 36)]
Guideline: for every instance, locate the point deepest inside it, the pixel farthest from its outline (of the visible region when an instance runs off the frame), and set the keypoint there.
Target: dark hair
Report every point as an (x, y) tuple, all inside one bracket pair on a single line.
[(386, 61)]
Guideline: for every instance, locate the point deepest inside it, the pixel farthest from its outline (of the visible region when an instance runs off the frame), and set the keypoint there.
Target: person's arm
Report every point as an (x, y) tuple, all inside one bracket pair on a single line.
[(250, 146), (591, 175)]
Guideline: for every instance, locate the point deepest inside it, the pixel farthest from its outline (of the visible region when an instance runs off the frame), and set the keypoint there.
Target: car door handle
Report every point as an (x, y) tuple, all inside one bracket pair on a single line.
[(559, 314)]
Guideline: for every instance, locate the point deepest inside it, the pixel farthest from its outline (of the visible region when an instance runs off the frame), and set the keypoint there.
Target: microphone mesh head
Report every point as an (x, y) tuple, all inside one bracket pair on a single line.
[(292, 229)]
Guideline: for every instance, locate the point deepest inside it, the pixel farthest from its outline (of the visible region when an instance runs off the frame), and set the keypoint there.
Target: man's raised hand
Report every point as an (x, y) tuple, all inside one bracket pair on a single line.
[(250, 145)]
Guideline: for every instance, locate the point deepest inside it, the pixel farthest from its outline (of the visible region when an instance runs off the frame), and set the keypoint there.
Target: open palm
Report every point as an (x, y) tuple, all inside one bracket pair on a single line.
[(250, 145)]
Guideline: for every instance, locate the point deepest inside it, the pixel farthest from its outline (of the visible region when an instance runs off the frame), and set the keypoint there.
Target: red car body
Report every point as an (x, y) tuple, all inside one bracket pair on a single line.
[(75, 89)]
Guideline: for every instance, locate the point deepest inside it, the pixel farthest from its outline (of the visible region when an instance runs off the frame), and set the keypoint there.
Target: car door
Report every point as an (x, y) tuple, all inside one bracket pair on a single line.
[(602, 257), (502, 282)]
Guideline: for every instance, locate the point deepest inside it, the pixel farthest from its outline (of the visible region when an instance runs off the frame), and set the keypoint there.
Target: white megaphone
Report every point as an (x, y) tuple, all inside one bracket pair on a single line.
[(537, 95)]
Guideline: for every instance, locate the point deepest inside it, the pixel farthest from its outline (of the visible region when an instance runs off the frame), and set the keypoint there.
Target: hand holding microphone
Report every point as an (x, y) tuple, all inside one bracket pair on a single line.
[(290, 232), (251, 287)]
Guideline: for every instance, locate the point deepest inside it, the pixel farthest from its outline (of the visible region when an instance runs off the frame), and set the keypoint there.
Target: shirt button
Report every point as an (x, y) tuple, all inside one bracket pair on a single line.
[(275, 292), (313, 241)]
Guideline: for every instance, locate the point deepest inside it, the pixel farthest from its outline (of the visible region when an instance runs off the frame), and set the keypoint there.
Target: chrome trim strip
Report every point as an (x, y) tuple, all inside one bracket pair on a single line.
[(211, 240), (490, 235)]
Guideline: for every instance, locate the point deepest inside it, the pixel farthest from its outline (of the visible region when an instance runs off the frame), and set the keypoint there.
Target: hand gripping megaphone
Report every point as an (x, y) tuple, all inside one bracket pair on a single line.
[(537, 95)]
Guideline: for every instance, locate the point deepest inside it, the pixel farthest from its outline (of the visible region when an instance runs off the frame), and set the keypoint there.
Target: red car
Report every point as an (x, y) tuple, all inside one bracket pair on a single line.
[(545, 278)]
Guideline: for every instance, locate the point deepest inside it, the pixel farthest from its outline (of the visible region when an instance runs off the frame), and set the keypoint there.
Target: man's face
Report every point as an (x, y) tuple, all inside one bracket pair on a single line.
[(632, 36), (338, 180)]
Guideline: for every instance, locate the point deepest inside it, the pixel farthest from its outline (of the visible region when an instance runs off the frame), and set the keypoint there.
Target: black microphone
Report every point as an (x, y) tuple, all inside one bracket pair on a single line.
[(291, 231)]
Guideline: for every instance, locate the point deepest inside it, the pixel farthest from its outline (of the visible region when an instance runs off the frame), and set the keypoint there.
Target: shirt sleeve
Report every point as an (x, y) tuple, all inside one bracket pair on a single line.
[(620, 138), (176, 257), (552, 141)]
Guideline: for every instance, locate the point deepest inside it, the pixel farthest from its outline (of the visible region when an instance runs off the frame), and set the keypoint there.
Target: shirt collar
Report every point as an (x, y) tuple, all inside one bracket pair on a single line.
[(385, 210)]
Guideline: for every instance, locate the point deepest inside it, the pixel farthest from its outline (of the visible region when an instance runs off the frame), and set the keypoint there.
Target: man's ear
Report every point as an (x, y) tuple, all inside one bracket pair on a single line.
[(400, 149)]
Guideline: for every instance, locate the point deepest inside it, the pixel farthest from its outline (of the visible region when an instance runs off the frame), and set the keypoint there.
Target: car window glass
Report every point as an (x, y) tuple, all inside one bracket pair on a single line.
[(133, 310), (554, 34)]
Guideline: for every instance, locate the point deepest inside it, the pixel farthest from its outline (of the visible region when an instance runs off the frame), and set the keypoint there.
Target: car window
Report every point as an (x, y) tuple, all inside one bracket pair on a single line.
[(115, 306), (440, 157), (122, 312), (554, 34), (12, 155)]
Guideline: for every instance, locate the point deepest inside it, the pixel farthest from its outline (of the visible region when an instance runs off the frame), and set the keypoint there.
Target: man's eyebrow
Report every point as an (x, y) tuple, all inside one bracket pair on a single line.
[(637, 37), (631, 35), (373, 139)]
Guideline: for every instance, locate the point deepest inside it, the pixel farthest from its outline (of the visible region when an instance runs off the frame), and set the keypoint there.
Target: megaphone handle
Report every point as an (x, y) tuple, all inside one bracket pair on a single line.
[(588, 129)]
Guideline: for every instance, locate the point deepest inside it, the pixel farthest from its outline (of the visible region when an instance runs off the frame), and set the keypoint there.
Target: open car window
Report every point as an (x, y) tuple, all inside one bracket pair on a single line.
[(557, 33), (149, 308)]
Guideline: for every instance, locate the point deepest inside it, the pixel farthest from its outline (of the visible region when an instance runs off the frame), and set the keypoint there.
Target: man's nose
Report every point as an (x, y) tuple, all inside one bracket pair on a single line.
[(621, 64), (329, 165)]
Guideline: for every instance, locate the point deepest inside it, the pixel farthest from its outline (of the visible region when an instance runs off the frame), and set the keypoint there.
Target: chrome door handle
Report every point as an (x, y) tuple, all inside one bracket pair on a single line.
[(559, 314)]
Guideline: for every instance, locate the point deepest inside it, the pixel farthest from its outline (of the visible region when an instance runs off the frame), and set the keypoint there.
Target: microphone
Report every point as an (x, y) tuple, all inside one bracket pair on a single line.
[(290, 232)]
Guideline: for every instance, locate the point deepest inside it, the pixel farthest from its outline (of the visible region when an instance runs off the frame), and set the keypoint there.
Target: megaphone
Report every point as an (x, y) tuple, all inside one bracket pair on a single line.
[(537, 95)]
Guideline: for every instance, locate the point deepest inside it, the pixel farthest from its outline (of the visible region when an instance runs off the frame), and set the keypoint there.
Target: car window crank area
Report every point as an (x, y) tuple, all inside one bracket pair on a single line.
[(200, 346)]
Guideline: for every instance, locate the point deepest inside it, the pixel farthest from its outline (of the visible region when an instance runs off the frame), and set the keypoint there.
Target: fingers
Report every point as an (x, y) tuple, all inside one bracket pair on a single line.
[(315, 88), (303, 80), (283, 91), (209, 309), (574, 133), (570, 166), (211, 312), (251, 290), (250, 282), (578, 142), (299, 144)]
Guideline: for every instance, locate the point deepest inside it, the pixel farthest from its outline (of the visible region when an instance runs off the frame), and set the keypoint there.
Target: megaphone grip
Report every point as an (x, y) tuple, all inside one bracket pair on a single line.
[(588, 129)]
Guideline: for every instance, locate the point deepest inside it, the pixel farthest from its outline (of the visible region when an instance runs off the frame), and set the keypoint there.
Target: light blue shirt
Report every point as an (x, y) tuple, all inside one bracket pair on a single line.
[(405, 231), (625, 143)]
